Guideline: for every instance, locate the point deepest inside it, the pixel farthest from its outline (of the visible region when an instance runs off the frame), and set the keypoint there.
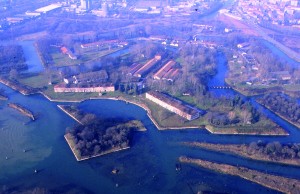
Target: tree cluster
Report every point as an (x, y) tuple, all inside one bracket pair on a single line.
[(240, 112), (12, 57), (283, 105), (275, 150), (97, 136)]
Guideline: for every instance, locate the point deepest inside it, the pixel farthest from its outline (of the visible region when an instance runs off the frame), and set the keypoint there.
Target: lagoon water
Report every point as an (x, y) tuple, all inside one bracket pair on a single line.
[(147, 167)]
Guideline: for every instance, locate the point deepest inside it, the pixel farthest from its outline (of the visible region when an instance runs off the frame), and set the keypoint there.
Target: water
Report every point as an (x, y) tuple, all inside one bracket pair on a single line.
[(148, 167), (281, 54), (32, 58)]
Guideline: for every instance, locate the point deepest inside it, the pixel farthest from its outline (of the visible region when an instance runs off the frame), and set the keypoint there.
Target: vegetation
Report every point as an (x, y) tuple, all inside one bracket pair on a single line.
[(279, 183), (286, 107), (265, 151), (99, 136), (24, 89), (22, 110), (12, 58)]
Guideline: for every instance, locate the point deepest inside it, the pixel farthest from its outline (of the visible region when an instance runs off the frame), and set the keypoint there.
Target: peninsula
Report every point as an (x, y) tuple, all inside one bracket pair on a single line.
[(22, 110), (279, 183), (283, 106), (269, 152), (3, 96)]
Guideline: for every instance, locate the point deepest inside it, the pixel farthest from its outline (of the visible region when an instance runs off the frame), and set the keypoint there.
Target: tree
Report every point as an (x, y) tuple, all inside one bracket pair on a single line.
[(13, 74), (246, 116)]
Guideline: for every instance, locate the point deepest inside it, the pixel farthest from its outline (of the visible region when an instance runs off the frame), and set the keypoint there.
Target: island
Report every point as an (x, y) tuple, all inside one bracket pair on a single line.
[(269, 152), (22, 110), (279, 183), (99, 137), (93, 137)]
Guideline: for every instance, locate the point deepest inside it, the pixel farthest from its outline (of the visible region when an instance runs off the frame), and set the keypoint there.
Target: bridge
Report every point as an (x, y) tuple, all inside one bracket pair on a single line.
[(221, 87)]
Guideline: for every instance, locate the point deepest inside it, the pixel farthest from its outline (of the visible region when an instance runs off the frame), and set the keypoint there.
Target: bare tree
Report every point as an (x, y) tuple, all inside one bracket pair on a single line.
[(246, 116)]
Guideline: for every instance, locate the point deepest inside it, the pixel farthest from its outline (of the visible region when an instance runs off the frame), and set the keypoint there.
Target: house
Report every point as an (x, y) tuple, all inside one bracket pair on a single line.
[(66, 51)]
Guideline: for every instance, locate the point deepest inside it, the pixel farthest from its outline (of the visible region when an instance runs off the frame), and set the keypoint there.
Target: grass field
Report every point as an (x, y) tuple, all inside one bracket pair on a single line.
[(84, 56)]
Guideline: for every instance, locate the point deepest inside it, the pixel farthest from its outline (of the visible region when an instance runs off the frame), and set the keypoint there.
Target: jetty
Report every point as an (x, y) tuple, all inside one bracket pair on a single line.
[(3, 97), (22, 110)]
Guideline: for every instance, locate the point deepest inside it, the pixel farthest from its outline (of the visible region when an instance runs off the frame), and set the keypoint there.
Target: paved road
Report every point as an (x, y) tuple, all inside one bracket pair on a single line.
[(289, 52)]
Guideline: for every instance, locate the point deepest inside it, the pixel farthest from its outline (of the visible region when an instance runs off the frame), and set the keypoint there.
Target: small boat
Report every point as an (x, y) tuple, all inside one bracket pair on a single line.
[(35, 171), (115, 171), (178, 167)]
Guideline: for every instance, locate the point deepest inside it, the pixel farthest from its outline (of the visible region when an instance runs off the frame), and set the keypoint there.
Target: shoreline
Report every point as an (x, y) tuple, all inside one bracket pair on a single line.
[(24, 111), (275, 182), (147, 109), (73, 117), (94, 156), (208, 128), (238, 150), (280, 115)]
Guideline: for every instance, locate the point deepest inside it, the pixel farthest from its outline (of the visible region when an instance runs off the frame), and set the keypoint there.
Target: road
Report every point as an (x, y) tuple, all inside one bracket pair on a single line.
[(289, 52)]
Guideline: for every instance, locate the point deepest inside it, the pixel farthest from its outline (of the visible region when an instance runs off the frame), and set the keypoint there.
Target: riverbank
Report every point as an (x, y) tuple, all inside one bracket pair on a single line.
[(278, 114), (279, 183), (22, 110), (260, 91), (152, 110), (25, 90), (80, 158), (277, 131), (243, 151)]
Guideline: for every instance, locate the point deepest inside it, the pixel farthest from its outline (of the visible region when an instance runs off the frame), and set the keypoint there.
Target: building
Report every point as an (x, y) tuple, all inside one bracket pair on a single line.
[(134, 67), (66, 51), (86, 5), (173, 105), (164, 70), (147, 67), (49, 8), (95, 77), (109, 87)]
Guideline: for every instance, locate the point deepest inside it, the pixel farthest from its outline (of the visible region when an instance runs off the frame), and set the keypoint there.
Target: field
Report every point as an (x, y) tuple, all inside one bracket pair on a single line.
[(83, 55)]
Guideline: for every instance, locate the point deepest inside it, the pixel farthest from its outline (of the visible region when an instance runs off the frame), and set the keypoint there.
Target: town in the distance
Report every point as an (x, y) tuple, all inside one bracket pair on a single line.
[(216, 65)]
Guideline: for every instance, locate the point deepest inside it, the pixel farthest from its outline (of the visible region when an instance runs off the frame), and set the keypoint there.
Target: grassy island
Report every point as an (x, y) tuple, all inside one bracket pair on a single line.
[(279, 183), (269, 152)]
